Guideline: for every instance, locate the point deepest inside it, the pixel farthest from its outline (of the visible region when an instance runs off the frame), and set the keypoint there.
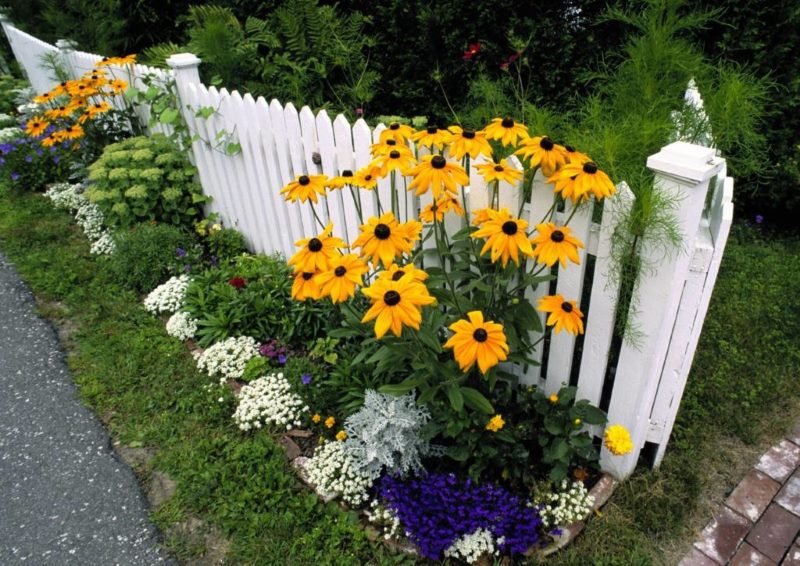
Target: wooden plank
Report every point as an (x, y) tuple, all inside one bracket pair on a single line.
[(281, 148), (345, 160)]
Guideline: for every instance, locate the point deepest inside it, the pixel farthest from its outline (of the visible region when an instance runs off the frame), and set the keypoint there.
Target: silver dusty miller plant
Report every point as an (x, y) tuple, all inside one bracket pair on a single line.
[(386, 433)]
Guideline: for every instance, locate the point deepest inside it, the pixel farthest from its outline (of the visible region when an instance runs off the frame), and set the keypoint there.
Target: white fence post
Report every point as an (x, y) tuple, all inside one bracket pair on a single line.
[(683, 171), (185, 67)]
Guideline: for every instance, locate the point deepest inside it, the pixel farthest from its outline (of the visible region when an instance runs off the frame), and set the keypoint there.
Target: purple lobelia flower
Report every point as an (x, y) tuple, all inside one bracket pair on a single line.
[(14, 176), (305, 379), (180, 252), (437, 509), (759, 219), (29, 158)]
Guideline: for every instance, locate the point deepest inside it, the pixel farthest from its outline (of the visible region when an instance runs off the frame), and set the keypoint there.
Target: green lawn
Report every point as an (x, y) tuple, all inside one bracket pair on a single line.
[(743, 391)]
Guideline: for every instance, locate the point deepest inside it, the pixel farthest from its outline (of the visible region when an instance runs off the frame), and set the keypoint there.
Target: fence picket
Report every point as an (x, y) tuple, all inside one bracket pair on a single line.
[(362, 140), (282, 151), (327, 154), (294, 137)]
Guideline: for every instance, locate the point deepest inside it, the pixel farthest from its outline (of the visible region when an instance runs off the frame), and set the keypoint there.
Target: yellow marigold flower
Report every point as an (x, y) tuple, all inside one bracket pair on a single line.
[(618, 440), (395, 160), (496, 423), (432, 137), (563, 314), (576, 180), (494, 171), (395, 272), (304, 286), (316, 418), (505, 236), (506, 130), (366, 177), (396, 304), (401, 133), (468, 142), (384, 239), (316, 253), (385, 146), (346, 178), (555, 244), (44, 98), (436, 210), (481, 215), (476, 340), (329, 422), (575, 156), (305, 187), (36, 127), (437, 174), (341, 435), (543, 152), (343, 275), (553, 398)]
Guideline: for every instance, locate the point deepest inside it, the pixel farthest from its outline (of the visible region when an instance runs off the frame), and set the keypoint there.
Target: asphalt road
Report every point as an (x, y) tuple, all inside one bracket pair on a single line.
[(64, 496)]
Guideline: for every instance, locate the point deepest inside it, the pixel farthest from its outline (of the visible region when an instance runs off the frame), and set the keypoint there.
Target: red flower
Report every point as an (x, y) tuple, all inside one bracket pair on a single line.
[(237, 282), (513, 57), (472, 50)]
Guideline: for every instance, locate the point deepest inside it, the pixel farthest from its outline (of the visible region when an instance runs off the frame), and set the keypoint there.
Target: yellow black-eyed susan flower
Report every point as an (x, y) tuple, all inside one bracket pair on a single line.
[(502, 171), (395, 160), (304, 286), (384, 239), (505, 236), (343, 275), (575, 156), (555, 244), (305, 187), (506, 130), (563, 314), (576, 181), (36, 126), (543, 152), (436, 210), (398, 132), (465, 141), (345, 178), (396, 304), (315, 254), (432, 137), (475, 340), (366, 177), (437, 174), (395, 272)]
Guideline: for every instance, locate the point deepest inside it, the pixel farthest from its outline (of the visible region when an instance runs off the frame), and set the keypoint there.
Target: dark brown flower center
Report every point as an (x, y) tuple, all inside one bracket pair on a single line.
[(507, 122), (438, 162), (367, 177), (307, 275), (498, 168), (398, 275), (391, 142), (315, 245), (304, 180), (590, 168), (394, 126), (36, 124), (510, 227), (569, 148), (394, 154), (391, 298), (63, 84), (566, 307), (480, 335), (347, 173), (557, 236), (432, 129), (469, 134), (382, 231), (340, 271), (546, 144)]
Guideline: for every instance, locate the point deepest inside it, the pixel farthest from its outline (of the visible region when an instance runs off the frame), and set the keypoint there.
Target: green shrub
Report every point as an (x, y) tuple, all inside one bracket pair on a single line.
[(147, 254), (144, 179), (8, 93), (225, 244)]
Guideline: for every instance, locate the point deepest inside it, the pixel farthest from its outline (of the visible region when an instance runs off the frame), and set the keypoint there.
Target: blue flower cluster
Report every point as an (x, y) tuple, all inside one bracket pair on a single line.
[(437, 509), (24, 159)]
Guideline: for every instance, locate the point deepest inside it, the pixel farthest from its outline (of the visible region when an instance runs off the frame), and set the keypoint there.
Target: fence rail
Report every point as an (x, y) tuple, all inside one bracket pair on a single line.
[(278, 142)]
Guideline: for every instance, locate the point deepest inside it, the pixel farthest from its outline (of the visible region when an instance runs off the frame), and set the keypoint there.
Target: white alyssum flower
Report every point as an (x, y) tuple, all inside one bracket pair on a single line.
[(227, 359), (28, 109), (570, 504), (471, 547), (269, 400), (90, 219), (104, 245), (167, 297), (333, 472), (384, 519), (66, 196), (182, 326), (10, 134)]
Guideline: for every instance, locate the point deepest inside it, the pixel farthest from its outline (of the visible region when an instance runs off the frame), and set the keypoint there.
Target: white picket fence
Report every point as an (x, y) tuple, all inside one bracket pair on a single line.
[(278, 143)]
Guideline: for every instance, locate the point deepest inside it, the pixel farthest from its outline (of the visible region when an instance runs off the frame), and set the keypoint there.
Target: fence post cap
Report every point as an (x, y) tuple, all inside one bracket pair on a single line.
[(686, 161), (183, 60), (66, 44)]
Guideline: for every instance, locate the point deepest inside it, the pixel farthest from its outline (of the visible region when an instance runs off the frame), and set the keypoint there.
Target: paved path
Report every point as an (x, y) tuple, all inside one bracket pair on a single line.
[(64, 497), (759, 524)]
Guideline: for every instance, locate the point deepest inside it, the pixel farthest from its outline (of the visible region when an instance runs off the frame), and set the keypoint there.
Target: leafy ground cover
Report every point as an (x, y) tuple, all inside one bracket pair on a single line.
[(743, 391)]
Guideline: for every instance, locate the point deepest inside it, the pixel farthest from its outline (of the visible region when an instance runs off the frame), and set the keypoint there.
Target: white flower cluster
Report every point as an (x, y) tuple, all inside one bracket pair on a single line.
[(471, 547), (104, 245), (90, 219), (384, 519), (182, 326), (28, 109), (167, 297), (227, 359), (570, 504), (332, 472), (66, 196), (269, 400), (10, 134)]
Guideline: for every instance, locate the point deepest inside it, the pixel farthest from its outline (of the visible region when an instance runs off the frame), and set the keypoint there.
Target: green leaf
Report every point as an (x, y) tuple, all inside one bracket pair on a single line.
[(233, 149), (152, 93), (474, 399), (458, 453), (205, 112), (400, 388), (169, 116), (455, 396)]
